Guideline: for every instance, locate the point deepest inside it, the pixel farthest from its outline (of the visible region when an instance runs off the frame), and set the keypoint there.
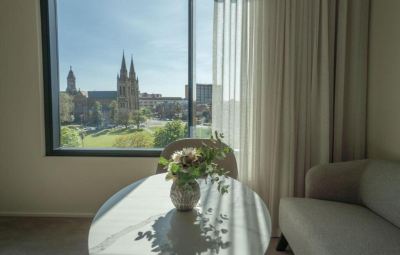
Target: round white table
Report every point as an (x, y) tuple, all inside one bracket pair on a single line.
[(141, 219)]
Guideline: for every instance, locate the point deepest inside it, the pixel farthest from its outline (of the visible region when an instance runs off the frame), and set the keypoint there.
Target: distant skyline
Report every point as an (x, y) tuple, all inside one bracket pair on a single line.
[(94, 33)]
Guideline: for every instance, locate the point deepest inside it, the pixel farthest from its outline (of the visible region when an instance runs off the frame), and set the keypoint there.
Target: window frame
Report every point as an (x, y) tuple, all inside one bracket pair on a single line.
[(52, 88)]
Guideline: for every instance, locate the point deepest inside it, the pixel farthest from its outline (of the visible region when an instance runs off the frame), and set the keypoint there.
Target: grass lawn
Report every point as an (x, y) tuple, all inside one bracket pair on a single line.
[(106, 138)]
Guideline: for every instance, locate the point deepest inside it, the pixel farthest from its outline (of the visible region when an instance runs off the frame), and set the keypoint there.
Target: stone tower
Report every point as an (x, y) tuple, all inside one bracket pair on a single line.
[(71, 82), (79, 99), (127, 87)]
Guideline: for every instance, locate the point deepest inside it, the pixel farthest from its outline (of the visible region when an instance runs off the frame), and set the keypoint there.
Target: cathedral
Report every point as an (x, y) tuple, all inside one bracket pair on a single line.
[(126, 95), (127, 87)]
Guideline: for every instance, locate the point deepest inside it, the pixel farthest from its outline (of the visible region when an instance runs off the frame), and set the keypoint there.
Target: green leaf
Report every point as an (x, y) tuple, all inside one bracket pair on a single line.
[(163, 161), (174, 168)]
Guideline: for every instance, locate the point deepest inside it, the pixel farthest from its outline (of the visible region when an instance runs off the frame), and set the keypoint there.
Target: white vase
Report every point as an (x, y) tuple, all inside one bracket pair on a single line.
[(185, 197)]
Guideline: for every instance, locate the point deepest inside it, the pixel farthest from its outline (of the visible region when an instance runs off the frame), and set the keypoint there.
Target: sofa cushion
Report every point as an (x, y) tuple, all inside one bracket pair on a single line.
[(380, 189), (321, 227)]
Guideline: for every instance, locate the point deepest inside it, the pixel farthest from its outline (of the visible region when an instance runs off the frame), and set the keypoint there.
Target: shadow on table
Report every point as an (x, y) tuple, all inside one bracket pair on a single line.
[(187, 233)]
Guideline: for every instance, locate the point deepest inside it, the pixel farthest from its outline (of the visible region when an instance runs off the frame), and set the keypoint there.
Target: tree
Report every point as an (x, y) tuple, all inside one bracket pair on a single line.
[(113, 112), (169, 110), (172, 131), (96, 115), (70, 137), (66, 108), (139, 117), (203, 113), (146, 112), (136, 140), (124, 117), (82, 135)]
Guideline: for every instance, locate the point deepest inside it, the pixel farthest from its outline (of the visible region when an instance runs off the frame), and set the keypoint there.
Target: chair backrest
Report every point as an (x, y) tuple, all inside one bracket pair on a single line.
[(380, 189), (228, 163)]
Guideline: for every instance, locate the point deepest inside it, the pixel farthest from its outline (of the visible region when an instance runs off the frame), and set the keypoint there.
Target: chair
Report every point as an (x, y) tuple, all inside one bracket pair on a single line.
[(350, 207), (228, 163)]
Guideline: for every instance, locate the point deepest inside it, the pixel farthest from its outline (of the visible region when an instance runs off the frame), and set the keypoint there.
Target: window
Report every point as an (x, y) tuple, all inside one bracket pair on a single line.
[(125, 78)]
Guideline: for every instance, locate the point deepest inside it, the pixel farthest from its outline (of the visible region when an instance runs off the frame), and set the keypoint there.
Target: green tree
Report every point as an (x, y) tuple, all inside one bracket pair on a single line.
[(124, 118), (66, 108), (146, 112), (96, 115), (113, 112), (136, 140), (82, 135), (70, 137), (169, 110), (139, 117), (172, 131)]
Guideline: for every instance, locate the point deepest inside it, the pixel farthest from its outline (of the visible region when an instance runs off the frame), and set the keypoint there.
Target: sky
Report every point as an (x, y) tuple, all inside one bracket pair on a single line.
[(92, 34)]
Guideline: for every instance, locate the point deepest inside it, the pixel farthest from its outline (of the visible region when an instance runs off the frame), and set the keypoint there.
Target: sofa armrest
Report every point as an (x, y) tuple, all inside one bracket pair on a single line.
[(336, 181)]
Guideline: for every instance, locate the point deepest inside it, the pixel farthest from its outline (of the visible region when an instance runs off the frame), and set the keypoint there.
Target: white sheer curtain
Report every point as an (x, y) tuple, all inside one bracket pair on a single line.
[(289, 88), (229, 41)]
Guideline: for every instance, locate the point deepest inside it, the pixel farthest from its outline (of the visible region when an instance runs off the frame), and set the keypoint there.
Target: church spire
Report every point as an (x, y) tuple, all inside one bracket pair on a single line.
[(123, 71), (132, 69)]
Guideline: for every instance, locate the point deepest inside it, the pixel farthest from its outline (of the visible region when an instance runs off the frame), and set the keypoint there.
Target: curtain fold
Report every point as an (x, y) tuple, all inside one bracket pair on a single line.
[(289, 88)]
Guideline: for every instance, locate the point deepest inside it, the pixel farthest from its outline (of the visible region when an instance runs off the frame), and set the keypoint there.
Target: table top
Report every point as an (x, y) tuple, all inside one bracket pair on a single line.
[(141, 219)]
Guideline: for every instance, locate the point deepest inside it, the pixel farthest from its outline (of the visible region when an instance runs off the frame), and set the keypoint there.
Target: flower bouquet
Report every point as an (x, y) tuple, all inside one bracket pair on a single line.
[(188, 165)]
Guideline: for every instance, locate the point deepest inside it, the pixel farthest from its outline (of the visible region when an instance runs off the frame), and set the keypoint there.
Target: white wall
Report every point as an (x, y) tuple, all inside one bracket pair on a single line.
[(31, 183), (384, 80)]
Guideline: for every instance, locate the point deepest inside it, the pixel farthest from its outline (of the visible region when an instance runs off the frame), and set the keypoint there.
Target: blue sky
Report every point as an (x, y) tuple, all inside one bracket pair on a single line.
[(93, 33)]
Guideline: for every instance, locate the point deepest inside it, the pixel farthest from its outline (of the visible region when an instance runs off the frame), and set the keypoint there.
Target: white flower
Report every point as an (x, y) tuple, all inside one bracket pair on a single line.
[(176, 157), (189, 152), (189, 155)]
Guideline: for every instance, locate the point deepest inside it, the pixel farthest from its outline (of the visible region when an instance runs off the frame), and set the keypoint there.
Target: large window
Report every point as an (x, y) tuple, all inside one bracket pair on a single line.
[(125, 78)]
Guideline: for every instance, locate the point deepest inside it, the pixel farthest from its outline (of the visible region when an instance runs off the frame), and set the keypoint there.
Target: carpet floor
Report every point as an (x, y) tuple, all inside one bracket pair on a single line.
[(54, 236)]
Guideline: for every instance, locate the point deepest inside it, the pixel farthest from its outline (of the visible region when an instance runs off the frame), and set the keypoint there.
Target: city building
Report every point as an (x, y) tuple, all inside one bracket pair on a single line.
[(149, 95), (153, 102), (203, 93), (203, 98)]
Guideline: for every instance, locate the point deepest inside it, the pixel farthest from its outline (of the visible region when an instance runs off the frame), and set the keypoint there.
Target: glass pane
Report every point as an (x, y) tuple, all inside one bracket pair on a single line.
[(203, 54), (122, 70)]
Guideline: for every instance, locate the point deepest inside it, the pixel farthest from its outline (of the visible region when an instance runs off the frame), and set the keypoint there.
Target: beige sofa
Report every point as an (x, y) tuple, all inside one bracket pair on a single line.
[(350, 208)]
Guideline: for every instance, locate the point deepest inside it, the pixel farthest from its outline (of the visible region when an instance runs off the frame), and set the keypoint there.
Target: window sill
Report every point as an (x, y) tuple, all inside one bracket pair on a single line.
[(106, 152)]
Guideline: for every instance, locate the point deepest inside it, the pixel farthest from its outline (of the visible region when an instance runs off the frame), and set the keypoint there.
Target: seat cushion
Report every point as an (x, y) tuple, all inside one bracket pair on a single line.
[(322, 227)]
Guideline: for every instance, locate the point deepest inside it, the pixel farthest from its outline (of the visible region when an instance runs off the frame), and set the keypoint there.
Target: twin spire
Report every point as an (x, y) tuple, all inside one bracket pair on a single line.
[(124, 71)]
